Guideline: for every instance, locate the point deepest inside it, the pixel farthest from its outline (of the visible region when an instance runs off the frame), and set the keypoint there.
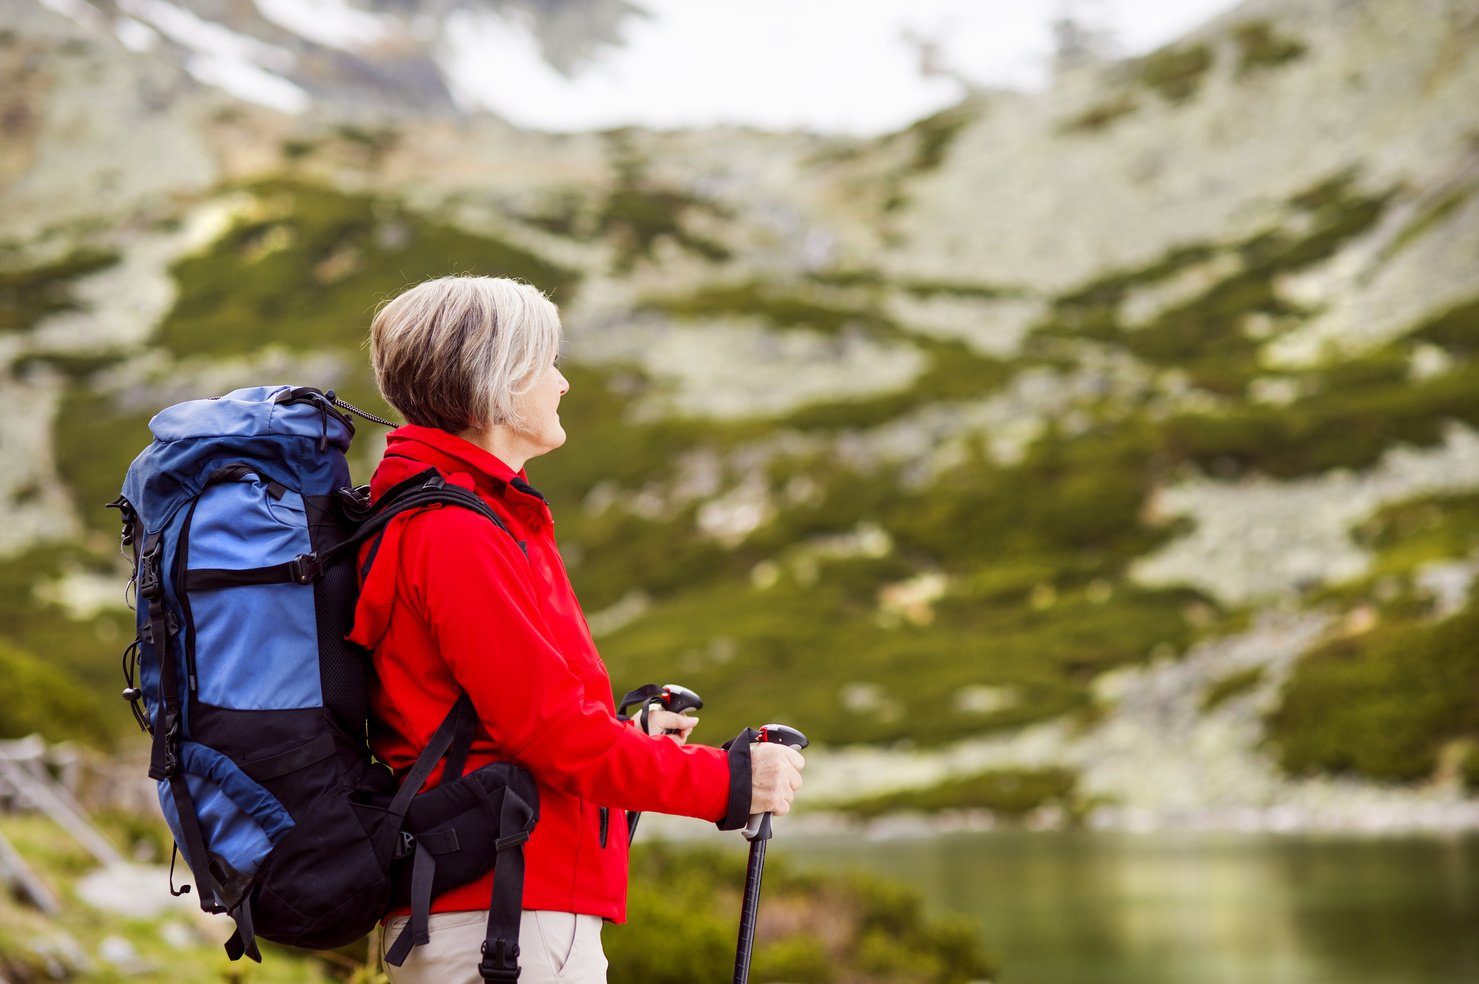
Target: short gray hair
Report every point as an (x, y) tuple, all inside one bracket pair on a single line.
[(457, 352)]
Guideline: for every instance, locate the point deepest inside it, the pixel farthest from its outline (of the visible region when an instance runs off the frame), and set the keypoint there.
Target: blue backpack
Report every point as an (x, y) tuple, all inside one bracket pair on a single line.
[(245, 533)]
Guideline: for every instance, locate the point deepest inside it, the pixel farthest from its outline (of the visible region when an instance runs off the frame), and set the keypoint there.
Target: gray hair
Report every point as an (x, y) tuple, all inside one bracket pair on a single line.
[(457, 352)]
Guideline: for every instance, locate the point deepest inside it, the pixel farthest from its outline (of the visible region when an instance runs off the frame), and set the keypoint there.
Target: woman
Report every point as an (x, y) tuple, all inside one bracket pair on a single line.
[(452, 604)]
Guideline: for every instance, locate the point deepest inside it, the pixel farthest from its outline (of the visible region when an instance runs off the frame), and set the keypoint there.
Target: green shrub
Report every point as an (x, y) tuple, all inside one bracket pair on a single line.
[(84, 653), (28, 294), (45, 699), (1261, 46), (1456, 328), (637, 213), (934, 134), (1101, 115), (1230, 686), (1383, 703), (683, 913), (783, 305), (309, 272), (1174, 72)]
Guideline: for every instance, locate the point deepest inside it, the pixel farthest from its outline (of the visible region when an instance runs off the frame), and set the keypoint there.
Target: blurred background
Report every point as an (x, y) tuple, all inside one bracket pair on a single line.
[(1065, 413)]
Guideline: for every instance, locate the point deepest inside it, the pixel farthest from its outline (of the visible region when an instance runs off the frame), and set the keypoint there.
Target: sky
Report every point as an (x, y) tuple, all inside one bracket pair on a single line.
[(843, 66), (838, 66)]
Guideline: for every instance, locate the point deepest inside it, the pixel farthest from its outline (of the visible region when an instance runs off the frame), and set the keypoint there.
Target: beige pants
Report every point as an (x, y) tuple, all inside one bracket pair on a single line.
[(553, 947)]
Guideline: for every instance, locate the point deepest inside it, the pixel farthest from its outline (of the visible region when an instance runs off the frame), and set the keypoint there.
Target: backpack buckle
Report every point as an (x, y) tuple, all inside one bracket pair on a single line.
[(502, 964), (151, 578), (305, 568), (406, 846)]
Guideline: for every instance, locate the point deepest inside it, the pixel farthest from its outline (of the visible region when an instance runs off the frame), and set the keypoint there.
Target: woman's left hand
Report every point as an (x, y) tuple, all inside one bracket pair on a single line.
[(660, 721)]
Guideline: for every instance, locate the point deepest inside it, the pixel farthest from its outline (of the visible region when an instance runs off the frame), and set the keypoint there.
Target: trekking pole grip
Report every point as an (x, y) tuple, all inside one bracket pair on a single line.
[(780, 734)]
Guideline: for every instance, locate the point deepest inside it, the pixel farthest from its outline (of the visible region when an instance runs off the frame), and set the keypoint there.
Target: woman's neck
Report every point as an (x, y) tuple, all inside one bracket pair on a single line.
[(502, 442)]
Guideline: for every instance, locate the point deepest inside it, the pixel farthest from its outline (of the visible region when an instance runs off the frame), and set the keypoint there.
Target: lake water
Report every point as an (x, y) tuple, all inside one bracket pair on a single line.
[(1079, 907)]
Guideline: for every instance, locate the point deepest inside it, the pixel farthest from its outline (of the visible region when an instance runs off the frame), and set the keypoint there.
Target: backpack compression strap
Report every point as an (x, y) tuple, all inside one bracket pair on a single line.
[(500, 949)]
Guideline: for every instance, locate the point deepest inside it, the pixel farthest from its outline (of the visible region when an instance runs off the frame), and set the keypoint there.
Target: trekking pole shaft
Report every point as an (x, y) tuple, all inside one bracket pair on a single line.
[(748, 912)]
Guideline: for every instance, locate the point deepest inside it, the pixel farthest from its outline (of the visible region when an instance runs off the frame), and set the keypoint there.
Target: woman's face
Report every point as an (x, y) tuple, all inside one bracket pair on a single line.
[(540, 408)]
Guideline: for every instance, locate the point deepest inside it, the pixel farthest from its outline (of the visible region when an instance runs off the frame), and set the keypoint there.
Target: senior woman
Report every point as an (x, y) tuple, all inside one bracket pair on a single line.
[(464, 607)]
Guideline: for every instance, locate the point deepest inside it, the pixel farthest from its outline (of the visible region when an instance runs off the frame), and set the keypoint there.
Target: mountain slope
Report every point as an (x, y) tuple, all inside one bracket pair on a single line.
[(1100, 443)]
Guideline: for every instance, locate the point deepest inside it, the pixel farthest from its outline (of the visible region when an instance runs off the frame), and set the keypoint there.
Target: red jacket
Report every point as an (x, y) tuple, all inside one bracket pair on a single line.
[(452, 603)]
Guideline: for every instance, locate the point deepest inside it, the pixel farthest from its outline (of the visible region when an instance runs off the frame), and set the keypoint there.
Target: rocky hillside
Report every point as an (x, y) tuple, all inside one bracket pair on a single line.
[(1108, 453)]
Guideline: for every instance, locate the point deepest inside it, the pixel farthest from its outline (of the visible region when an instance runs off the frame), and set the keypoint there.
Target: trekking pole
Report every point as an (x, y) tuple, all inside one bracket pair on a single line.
[(654, 698), (757, 832)]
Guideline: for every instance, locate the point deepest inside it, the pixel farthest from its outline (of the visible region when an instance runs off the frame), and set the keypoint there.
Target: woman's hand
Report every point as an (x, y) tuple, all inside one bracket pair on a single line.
[(775, 775), (660, 721)]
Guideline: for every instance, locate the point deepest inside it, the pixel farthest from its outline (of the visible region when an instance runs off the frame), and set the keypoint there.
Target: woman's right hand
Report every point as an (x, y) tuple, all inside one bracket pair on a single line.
[(775, 775)]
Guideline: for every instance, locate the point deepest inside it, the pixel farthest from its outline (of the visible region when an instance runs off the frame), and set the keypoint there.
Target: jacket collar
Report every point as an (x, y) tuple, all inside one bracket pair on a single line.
[(411, 448)]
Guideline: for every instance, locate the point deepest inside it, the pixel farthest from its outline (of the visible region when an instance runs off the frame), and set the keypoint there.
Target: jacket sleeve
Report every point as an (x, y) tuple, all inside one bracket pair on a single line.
[(476, 591)]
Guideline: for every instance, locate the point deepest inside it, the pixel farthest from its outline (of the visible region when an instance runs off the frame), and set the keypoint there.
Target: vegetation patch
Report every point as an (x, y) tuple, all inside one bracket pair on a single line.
[(1261, 46), (43, 643), (1382, 703), (1409, 534), (813, 929), (1101, 115), (933, 135), (1009, 794), (30, 943), (1175, 73), (1431, 216), (955, 372), (1038, 608), (308, 273), (94, 442), (1455, 329), (29, 294), (1207, 335), (1361, 409), (638, 213), (782, 305), (1231, 686), (46, 699)]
